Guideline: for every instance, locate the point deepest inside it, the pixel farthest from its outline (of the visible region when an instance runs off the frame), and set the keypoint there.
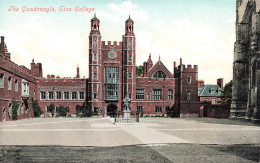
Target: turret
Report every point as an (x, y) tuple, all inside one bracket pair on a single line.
[(36, 69), (95, 25), (129, 26)]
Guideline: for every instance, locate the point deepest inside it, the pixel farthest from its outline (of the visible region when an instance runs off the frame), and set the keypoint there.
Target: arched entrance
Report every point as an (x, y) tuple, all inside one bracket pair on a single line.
[(111, 110)]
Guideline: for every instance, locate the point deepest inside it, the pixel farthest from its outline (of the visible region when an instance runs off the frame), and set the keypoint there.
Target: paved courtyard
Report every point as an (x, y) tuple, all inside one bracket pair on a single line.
[(153, 140)]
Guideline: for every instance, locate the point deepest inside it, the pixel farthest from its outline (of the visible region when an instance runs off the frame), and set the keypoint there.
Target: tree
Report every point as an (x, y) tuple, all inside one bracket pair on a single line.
[(36, 108), (85, 110), (139, 70), (14, 110), (62, 111), (52, 109), (227, 94)]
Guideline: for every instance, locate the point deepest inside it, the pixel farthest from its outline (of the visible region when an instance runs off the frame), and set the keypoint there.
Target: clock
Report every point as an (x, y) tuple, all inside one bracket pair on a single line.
[(112, 54)]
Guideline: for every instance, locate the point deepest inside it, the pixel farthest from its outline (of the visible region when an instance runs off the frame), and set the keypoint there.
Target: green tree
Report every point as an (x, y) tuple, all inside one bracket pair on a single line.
[(85, 110), (62, 111), (36, 108), (139, 70), (227, 94), (52, 109), (14, 110)]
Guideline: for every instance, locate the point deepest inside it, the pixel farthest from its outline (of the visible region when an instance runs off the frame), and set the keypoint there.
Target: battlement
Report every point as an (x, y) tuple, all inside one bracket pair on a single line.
[(185, 68), (23, 71), (107, 45)]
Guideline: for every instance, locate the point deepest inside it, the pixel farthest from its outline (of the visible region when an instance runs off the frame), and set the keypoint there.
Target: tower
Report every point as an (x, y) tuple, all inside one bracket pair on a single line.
[(129, 60), (241, 59), (95, 61)]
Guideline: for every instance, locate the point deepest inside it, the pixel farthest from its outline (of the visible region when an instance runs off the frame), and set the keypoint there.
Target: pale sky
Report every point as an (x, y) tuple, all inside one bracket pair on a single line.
[(201, 32)]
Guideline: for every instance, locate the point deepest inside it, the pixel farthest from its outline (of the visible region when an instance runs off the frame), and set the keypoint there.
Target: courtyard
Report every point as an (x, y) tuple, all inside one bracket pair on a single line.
[(152, 140)]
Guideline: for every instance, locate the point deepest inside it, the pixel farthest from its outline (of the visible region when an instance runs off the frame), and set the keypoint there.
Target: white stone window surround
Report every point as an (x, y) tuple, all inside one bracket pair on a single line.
[(2, 80)]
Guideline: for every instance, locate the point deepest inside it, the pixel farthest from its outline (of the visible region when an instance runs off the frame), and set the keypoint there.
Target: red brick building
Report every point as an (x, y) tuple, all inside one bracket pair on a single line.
[(16, 83), (112, 77)]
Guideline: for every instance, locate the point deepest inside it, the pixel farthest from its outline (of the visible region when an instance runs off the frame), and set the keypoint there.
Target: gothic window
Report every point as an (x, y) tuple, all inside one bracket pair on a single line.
[(112, 82), (254, 75), (188, 95), (95, 96), (170, 94), (158, 109), (94, 56), (10, 110), (9, 83), (66, 96), (157, 94), (140, 94), (148, 96), (74, 95), (4, 114), (140, 109), (2, 82), (43, 95), (159, 74), (81, 95), (129, 75), (16, 85), (51, 97), (58, 95), (130, 58), (189, 79)]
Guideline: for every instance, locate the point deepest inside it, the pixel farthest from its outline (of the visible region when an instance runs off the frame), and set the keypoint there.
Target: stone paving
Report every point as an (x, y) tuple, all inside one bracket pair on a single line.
[(153, 140)]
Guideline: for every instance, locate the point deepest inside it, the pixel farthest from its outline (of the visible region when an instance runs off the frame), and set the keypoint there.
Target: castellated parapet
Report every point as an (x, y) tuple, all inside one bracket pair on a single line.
[(107, 45)]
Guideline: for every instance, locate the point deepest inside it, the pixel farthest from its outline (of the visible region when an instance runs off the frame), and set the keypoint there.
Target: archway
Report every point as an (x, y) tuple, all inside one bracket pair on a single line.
[(111, 110)]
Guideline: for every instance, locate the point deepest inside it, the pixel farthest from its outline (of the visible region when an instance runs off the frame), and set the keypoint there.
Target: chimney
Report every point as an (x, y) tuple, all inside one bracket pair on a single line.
[(174, 64), (200, 83), (77, 72), (180, 61), (220, 82)]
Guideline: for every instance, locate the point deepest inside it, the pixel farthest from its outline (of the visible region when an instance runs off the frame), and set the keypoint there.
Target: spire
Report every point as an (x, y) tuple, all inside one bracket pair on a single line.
[(33, 60), (159, 57), (129, 16), (95, 15)]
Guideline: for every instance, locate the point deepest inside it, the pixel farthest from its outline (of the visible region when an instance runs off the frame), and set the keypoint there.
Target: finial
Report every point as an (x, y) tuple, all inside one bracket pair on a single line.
[(159, 57), (95, 15), (33, 60), (129, 16)]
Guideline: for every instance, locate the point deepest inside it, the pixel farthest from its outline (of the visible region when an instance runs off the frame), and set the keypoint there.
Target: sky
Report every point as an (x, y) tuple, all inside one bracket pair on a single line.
[(201, 32)]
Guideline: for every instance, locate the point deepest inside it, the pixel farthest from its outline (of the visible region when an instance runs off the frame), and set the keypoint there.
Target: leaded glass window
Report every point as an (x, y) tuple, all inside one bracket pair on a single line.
[(159, 74), (140, 94), (112, 82), (157, 94)]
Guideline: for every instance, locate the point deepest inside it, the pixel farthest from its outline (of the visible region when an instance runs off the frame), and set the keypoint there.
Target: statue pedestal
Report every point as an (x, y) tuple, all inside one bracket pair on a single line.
[(126, 115)]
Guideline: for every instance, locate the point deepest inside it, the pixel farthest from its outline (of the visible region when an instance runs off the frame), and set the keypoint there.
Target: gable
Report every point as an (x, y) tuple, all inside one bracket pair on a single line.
[(159, 69)]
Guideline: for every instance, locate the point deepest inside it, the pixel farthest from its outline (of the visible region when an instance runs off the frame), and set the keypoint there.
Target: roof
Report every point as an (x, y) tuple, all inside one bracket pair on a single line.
[(210, 91)]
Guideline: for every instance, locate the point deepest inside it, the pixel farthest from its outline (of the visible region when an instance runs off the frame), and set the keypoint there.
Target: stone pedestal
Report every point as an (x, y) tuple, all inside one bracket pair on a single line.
[(126, 115)]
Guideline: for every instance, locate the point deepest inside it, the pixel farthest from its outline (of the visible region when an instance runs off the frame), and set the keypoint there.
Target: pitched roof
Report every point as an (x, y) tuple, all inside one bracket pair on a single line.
[(160, 66), (210, 91)]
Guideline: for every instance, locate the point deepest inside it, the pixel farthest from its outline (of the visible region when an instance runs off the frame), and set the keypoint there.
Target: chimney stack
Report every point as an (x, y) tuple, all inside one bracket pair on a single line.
[(77, 72), (180, 61)]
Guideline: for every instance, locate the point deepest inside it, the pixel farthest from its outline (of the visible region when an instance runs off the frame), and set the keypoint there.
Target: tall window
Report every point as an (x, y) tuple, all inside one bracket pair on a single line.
[(157, 94), (25, 88), (148, 96), (58, 95), (16, 85), (140, 94), (51, 97), (94, 75), (18, 110), (140, 109), (130, 58), (213, 101), (81, 95), (130, 95), (112, 82), (167, 108), (10, 110), (2, 81), (66, 96), (170, 94), (94, 56), (4, 114), (43, 95), (129, 75), (188, 95), (9, 83), (95, 95), (73, 95), (158, 109), (189, 80)]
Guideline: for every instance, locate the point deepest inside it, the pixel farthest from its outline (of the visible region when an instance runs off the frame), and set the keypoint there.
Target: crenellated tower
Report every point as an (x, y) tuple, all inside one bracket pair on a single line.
[(95, 59), (129, 60)]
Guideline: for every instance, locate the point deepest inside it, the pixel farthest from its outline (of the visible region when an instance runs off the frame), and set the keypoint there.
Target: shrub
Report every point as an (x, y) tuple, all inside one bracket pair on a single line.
[(14, 110), (84, 111), (36, 108), (62, 111)]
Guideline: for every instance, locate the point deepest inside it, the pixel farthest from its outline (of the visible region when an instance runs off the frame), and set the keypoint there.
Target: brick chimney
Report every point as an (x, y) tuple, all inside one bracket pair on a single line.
[(200, 83), (78, 76), (220, 82)]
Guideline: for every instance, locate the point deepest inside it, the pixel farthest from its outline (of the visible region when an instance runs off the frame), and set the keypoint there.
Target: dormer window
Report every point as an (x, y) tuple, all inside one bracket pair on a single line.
[(212, 90)]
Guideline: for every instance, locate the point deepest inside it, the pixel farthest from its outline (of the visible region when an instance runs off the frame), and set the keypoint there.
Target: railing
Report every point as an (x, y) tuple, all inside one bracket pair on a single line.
[(134, 118)]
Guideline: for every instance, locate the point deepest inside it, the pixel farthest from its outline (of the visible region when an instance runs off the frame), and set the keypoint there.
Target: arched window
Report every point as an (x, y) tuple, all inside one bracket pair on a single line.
[(4, 114), (159, 74)]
